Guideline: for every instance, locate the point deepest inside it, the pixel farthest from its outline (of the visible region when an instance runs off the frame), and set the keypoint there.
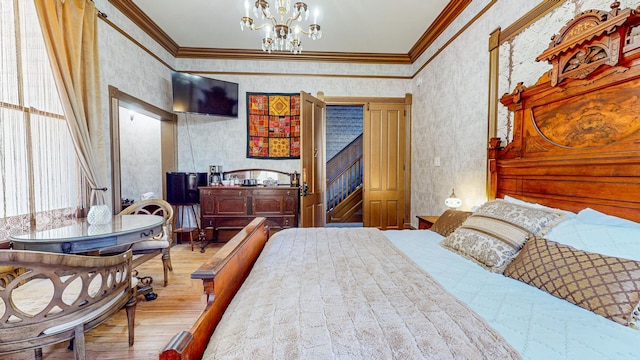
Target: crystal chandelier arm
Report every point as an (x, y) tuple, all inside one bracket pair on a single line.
[(280, 32), (260, 6), (273, 23), (292, 19), (314, 29), (302, 31)]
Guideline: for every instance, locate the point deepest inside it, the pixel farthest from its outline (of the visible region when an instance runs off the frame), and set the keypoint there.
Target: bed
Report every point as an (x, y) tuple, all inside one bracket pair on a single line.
[(565, 202)]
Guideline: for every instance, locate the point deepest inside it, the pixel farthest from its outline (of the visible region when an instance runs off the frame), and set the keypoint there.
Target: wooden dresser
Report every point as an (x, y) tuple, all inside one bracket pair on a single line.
[(226, 210)]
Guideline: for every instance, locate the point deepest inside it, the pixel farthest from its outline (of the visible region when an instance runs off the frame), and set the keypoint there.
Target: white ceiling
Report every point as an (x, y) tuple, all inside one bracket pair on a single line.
[(373, 26)]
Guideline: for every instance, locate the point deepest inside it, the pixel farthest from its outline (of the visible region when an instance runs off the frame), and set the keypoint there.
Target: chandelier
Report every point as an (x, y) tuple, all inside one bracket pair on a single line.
[(280, 34)]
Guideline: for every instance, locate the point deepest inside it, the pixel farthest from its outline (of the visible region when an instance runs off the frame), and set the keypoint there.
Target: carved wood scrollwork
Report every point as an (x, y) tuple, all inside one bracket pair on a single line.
[(585, 59), (576, 131), (517, 92), (589, 41)]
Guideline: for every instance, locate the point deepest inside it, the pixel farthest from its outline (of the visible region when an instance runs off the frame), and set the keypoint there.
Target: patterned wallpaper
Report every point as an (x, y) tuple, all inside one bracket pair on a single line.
[(450, 113), (126, 66), (210, 140), (449, 95), (451, 101)]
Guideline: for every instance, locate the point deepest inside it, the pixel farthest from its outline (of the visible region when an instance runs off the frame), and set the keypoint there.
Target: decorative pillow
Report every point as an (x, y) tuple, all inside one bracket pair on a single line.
[(495, 232), (449, 221), (537, 206), (608, 286)]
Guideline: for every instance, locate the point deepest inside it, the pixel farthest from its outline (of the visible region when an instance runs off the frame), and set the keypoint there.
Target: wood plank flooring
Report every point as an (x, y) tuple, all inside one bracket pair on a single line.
[(176, 309)]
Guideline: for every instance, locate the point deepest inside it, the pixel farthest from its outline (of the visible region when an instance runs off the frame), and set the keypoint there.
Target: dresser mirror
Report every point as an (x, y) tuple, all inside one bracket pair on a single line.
[(262, 177)]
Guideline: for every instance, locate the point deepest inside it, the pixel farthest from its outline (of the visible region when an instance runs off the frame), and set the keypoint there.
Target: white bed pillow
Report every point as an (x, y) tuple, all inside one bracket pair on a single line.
[(590, 216), (596, 232)]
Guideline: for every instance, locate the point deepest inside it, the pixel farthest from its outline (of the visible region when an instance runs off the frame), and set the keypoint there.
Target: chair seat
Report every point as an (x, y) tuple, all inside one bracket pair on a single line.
[(86, 318), (144, 245), (151, 244), (35, 295), (48, 298), (159, 244)]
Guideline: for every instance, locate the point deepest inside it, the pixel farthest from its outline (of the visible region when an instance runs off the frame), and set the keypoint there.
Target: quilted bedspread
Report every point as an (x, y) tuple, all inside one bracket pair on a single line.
[(339, 293)]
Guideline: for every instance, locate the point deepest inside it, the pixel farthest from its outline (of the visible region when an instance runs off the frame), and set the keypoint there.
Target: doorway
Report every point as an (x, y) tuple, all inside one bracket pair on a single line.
[(344, 126), (141, 169), (386, 169), (156, 154)]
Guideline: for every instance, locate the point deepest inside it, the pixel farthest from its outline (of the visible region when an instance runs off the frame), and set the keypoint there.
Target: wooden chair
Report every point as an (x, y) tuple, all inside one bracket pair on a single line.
[(160, 244), (47, 298)]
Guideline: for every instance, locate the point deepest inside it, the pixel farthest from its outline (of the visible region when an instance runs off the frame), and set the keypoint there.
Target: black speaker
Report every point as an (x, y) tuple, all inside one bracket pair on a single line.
[(182, 188), (203, 179), (192, 194), (176, 187)]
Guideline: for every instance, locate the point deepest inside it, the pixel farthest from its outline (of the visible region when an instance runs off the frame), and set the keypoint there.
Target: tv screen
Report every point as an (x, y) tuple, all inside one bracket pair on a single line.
[(202, 95)]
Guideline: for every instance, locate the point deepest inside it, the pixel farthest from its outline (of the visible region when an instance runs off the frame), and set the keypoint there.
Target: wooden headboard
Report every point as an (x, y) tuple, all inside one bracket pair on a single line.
[(576, 132)]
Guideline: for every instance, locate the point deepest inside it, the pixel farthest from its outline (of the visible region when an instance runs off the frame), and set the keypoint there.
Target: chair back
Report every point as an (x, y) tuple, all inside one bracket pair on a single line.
[(47, 295), (153, 207)]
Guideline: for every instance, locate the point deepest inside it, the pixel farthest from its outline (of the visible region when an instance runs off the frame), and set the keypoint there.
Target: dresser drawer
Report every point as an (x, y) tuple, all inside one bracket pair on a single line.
[(213, 191), (274, 192), (226, 210), (226, 221), (266, 205), (230, 205), (281, 222)]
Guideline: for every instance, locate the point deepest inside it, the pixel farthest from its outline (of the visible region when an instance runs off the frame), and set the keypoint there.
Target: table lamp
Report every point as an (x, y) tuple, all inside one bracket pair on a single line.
[(453, 201)]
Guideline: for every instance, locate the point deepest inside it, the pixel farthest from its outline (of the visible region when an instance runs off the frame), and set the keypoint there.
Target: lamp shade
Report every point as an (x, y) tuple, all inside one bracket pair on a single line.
[(453, 201)]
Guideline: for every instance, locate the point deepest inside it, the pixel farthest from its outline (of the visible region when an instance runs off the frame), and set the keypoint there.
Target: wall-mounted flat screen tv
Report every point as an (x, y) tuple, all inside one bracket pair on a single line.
[(202, 95)]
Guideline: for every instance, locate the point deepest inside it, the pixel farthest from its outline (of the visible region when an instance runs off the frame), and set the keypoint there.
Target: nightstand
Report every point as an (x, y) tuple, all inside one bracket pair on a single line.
[(425, 222)]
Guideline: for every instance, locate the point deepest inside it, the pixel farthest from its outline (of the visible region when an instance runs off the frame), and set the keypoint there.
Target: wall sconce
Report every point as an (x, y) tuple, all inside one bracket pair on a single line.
[(132, 115), (453, 201)]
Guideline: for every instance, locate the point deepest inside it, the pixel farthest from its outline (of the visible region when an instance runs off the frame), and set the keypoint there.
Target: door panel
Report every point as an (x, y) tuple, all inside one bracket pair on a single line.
[(384, 151), (392, 208), (393, 151), (373, 215), (312, 156), (375, 143)]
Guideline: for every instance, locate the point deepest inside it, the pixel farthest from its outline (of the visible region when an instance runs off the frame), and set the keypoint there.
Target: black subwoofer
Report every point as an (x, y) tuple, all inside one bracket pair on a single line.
[(176, 187), (182, 188)]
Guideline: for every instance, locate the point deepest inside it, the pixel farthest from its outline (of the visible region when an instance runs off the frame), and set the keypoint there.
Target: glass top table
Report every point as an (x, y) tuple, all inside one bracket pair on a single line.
[(83, 237)]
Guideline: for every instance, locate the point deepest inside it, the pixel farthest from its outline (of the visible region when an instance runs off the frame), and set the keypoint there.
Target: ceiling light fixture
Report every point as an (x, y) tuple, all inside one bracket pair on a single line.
[(281, 35)]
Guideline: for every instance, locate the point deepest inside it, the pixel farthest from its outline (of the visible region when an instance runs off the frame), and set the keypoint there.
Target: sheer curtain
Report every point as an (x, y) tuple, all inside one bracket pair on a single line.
[(38, 167), (70, 35)]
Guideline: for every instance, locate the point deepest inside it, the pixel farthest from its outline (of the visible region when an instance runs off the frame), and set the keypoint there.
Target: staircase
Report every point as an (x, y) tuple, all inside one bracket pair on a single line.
[(344, 184)]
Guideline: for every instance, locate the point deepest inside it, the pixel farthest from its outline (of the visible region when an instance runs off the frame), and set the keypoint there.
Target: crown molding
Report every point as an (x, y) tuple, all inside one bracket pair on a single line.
[(248, 73), (142, 20), (529, 18), (237, 54), (444, 19)]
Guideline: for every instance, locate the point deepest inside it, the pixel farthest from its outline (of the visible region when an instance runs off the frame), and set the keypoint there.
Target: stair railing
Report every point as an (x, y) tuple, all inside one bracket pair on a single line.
[(344, 184)]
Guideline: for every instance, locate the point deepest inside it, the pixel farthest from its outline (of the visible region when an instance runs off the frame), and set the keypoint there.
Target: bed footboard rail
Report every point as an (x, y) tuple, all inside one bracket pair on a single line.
[(222, 275)]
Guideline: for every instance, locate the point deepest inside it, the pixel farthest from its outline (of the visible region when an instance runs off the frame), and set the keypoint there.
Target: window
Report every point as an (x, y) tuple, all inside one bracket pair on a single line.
[(39, 174)]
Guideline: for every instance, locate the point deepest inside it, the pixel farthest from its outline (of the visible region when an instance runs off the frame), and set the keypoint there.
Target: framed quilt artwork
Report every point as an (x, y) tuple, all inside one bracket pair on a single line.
[(273, 126)]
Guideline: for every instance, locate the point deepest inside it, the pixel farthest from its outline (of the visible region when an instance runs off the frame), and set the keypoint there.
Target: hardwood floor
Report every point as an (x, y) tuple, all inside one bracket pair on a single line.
[(176, 308)]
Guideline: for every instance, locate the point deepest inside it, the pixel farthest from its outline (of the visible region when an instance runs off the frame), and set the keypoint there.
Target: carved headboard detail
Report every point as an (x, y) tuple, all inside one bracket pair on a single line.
[(592, 39), (576, 140)]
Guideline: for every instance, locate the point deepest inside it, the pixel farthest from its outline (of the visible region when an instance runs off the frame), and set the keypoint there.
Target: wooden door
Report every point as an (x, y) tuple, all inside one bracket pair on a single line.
[(312, 156), (384, 166)]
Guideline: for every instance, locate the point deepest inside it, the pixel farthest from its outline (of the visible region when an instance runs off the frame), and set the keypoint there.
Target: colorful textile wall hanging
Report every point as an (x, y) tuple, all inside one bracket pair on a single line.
[(273, 126)]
